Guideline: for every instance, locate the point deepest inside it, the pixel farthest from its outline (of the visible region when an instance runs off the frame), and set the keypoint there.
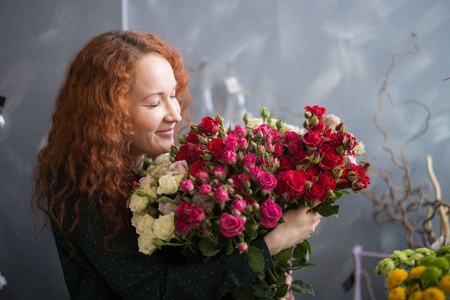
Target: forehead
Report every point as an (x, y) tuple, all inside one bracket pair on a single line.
[(153, 70)]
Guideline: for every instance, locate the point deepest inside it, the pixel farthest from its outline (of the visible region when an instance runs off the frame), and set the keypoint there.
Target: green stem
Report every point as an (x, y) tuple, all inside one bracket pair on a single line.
[(263, 281), (271, 275)]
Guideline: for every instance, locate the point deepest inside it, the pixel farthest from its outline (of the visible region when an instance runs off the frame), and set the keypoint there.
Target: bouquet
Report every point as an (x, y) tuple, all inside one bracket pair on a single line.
[(223, 188), (417, 274)]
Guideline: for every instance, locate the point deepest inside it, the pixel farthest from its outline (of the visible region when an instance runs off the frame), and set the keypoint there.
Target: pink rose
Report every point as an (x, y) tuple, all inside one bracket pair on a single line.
[(220, 195), (267, 181), (242, 143), (255, 173), (238, 204), (186, 185), (240, 131), (181, 225), (231, 225), (271, 213), (219, 171), (228, 157), (205, 189), (195, 216), (278, 151), (230, 142), (249, 161)]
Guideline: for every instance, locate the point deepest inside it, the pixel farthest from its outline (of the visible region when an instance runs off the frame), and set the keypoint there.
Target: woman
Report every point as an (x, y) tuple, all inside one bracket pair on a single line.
[(123, 95)]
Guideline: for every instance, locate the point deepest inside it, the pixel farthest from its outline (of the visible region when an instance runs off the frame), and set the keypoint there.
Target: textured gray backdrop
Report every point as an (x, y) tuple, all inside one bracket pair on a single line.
[(285, 54)]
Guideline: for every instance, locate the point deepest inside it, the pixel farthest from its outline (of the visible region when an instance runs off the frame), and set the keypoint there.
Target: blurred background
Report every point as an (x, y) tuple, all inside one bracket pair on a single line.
[(242, 56)]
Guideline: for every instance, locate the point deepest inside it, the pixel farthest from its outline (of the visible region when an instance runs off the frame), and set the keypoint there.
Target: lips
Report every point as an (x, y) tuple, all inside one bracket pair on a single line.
[(166, 132)]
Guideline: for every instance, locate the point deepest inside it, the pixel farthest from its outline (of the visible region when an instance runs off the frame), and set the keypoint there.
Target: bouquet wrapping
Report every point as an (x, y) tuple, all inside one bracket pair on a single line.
[(221, 189)]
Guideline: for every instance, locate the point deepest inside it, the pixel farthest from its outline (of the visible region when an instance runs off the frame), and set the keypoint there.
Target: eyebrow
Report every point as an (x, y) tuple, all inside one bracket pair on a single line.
[(157, 93)]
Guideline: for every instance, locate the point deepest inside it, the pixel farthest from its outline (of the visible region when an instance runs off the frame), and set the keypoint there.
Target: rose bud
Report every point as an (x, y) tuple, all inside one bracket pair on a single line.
[(364, 165), (174, 149), (195, 129), (265, 113), (280, 123), (314, 121), (245, 119), (242, 246), (308, 114), (181, 139), (340, 127)]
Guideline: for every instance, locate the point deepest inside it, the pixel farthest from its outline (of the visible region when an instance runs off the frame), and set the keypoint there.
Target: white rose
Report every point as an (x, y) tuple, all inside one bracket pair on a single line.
[(144, 223), (359, 149), (167, 185), (145, 242), (287, 127), (138, 203), (332, 121), (151, 191), (164, 227), (161, 159), (254, 123)]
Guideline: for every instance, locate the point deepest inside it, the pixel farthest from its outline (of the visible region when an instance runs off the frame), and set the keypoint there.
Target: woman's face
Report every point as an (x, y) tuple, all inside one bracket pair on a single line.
[(155, 108)]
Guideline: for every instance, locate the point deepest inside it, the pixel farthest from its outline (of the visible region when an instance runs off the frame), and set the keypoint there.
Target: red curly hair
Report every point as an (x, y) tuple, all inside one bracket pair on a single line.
[(91, 129)]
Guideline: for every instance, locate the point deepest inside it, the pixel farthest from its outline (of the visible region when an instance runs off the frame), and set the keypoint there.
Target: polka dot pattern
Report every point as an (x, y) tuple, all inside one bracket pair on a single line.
[(91, 272)]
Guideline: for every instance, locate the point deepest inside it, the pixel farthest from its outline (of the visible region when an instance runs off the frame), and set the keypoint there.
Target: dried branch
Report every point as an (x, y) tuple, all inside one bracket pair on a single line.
[(403, 205)]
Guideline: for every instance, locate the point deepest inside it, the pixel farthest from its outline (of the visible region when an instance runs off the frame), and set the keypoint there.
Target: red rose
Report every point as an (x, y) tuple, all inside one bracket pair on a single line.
[(316, 193), (326, 180), (198, 165), (192, 138), (286, 163), (184, 155), (209, 126), (295, 183), (331, 159), (299, 156), (312, 138), (216, 147), (317, 111), (231, 225)]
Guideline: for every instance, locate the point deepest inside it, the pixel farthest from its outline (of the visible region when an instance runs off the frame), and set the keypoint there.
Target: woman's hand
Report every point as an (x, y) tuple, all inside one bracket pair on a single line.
[(289, 295), (298, 226)]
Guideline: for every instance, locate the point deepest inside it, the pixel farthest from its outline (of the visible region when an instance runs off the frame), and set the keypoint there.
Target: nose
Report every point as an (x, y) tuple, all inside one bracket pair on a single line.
[(173, 111)]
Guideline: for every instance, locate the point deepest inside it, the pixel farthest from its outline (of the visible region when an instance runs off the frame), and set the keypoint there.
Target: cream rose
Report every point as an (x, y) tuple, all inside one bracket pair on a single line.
[(167, 185), (151, 191), (359, 149), (332, 121), (138, 203), (254, 123), (147, 180), (164, 227), (145, 242), (144, 223)]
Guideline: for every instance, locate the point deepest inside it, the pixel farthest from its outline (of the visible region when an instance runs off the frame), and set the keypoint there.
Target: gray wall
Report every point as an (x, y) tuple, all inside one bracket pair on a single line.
[(286, 54)]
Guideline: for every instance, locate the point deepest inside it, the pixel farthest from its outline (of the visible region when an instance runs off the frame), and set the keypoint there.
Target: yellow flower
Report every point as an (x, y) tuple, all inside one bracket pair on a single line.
[(417, 295), (433, 293), (445, 283), (412, 288), (397, 293), (395, 278), (416, 272)]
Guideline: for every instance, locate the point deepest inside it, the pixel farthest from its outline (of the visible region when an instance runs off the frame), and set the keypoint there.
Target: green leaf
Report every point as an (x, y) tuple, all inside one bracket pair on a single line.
[(263, 293), (230, 247), (283, 256), (281, 279), (302, 287), (302, 250), (326, 211), (282, 290), (208, 248), (255, 259)]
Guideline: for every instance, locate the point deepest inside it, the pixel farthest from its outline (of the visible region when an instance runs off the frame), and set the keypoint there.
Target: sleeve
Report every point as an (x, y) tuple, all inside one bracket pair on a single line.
[(133, 275)]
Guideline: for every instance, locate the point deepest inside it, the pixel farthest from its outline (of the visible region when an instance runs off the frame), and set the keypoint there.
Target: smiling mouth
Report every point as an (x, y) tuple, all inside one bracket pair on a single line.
[(166, 132)]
